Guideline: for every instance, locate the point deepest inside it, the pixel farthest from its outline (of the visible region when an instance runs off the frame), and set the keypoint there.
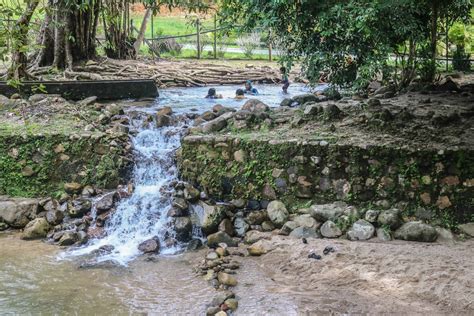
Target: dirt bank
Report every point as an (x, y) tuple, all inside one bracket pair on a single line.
[(361, 277)]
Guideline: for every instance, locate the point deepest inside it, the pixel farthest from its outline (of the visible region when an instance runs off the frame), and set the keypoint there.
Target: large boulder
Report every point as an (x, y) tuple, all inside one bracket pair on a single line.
[(213, 240), (361, 230), (391, 218), (37, 228), (416, 231), (151, 245), (183, 228), (211, 217), (330, 230), (254, 105), (68, 238), (324, 212), (467, 229), (277, 213), (54, 217), (17, 212)]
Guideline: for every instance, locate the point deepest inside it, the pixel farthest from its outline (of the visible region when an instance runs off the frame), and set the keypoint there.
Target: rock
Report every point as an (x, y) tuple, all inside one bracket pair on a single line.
[(232, 304), (416, 231), (444, 235), (167, 110), (212, 216), (306, 220), (208, 116), (286, 102), (324, 212), (467, 229), (3, 226), (239, 156), (256, 217), (391, 218), (226, 279), (381, 91), (240, 226), (371, 216), (383, 234), (194, 244), (222, 252), (213, 310), (331, 112), (221, 296), (305, 98), (277, 213), (330, 230), (312, 109), (217, 124), (213, 240), (54, 217), (253, 236), (163, 120), (176, 212), (17, 212), (105, 202), (191, 193), (448, 84), (212, 255), (288, 227), (256, 250), (88, 191), (37, 228), (238, 203), (72, 187), (88, 101), (150, 246), (226, 227), (183, 228), (68, 238), (268, 226), (304, 232), (180, 203), (79, 207), (254, 105), (361, 230)]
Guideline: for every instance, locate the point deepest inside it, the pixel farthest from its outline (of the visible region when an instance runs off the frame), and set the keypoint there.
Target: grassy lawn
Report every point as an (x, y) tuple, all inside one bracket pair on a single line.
[(191, 53)]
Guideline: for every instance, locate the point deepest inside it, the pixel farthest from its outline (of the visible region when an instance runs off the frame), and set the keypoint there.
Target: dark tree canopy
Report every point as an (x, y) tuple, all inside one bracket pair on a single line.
[(351, 39)]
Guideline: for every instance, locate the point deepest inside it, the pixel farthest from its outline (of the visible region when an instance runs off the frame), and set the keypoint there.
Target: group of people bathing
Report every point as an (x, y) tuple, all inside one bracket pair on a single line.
[(249, 89)]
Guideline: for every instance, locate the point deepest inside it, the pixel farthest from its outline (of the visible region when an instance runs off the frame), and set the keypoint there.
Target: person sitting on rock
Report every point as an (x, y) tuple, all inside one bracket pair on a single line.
[(249, 89), (239, 94), (212, 94), (284, 80)]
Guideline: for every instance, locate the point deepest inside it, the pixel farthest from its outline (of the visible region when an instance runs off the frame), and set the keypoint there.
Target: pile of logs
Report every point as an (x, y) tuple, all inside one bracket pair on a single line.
[(166, 73)]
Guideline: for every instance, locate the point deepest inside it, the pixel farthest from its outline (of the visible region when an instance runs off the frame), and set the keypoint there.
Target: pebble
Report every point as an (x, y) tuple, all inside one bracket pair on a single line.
[(226, 279), (314, 256)]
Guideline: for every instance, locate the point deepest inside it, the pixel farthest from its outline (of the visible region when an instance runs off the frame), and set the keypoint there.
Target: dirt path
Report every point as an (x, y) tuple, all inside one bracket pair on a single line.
[(359, 277)]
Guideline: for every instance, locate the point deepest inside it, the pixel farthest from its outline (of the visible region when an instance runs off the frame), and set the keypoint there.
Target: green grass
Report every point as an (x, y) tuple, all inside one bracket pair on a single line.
[(191, 53)]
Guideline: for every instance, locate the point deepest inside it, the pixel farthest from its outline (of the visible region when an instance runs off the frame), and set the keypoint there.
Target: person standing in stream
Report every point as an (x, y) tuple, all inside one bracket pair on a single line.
[(284, 80)]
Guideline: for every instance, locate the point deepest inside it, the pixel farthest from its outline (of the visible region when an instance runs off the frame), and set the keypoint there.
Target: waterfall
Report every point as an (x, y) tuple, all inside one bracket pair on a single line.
[(143, 214)]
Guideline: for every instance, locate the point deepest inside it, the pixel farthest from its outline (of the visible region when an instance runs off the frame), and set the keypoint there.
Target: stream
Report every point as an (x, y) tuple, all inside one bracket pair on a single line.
[(43, 279)]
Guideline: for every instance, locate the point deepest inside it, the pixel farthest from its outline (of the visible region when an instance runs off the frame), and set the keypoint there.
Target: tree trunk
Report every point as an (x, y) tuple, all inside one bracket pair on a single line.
[(68, 34), (141, 34), (434, 30), (19, 64)]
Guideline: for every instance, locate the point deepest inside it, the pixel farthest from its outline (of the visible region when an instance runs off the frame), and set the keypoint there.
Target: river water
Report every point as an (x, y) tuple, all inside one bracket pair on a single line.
[(36, 278)]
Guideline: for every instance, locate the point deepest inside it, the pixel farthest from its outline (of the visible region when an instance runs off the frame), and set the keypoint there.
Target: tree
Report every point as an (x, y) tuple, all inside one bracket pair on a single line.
[(352, 39)]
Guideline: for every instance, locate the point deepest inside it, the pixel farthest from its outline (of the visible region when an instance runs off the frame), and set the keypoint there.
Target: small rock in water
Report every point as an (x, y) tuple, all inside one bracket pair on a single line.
[(194, 244), (150, 246), (226, 279), (314, 256), (212, 256), (256, 250)]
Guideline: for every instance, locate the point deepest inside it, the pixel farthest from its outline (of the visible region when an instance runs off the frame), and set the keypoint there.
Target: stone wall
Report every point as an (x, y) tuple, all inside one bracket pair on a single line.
[(36, 165), (427, 184)]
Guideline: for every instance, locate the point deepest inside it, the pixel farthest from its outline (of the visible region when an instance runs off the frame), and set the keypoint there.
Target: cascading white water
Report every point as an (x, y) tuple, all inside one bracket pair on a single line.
[(143, 215)]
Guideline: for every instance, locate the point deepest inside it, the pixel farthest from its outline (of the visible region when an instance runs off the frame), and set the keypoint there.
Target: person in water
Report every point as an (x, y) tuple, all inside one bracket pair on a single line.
[(284, 79), (239, 94), (212, 94), (249, 89)]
